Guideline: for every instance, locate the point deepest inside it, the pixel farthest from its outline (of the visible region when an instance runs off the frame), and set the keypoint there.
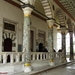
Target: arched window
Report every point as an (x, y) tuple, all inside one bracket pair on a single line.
[(59, 41), (74, 43), (67, 42), (8, 45)]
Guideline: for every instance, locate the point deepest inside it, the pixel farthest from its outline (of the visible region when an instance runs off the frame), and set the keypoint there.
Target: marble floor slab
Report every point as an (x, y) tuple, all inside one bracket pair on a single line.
[(62, 70)]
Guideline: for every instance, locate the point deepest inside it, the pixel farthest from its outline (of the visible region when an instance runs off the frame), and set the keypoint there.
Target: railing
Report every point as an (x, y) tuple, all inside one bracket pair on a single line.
[(39, 56), (58, 54), (11, 57), (17, 57)]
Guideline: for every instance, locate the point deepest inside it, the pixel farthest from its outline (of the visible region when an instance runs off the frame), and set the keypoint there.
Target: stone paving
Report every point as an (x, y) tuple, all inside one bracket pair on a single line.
[(68, 69)]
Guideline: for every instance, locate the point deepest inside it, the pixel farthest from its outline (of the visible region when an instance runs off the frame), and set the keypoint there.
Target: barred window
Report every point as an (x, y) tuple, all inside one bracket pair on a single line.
[(9, 26)]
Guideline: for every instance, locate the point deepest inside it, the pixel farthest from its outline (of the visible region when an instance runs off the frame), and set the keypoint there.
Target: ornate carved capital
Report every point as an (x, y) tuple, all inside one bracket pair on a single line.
[(27, 11), (50, 23), (63, 30)]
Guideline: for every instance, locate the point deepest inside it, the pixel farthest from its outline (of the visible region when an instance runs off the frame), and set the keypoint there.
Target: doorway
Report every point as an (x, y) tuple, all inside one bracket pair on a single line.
[(8, 47)]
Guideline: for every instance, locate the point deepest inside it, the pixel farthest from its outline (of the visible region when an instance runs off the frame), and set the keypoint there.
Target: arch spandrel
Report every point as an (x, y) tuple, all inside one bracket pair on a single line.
[(47, 8), (56, 18), (59, 17), (38, 6), (69, 23)]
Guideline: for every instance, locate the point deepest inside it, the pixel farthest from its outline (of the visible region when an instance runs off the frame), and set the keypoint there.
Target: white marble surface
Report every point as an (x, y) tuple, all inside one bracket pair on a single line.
[(62, 70), (38, 66)]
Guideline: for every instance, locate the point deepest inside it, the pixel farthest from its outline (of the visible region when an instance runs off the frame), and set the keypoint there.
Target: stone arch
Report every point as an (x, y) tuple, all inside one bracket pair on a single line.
[(12, 36), (9, 36), (59, 17), (47, 8)]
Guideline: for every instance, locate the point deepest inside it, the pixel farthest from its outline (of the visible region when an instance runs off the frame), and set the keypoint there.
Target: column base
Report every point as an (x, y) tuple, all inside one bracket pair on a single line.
[(71, 58), (64, 60), (27, 67), (51, 63)]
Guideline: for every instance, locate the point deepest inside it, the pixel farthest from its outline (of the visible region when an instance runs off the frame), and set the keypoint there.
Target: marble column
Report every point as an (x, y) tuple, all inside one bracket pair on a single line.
[(27, 9), (71, 45), (63, 44), (26, 39), (50, 42)]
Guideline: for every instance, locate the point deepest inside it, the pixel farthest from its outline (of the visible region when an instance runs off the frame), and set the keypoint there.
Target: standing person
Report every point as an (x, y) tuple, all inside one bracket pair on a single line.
[(37, 47), (40, 47)]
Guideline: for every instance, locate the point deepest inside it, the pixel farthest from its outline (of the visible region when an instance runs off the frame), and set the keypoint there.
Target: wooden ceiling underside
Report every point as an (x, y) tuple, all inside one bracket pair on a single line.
[(69, 6)]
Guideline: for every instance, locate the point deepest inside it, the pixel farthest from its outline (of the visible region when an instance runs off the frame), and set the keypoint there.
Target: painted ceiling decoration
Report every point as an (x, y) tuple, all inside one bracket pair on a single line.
[(69, 6)]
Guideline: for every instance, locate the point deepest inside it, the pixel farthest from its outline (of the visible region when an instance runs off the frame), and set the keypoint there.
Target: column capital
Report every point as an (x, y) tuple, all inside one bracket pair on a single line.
[(27, 11), (50, 23), (63, 30), (27, 6), (71, 32)]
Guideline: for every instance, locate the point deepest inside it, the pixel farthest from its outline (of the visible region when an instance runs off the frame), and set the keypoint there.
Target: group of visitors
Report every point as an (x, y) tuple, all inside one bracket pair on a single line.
[(41, 48)]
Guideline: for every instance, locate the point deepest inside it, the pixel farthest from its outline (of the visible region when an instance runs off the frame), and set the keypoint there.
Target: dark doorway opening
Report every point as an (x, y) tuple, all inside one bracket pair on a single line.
[(31, 40), (40, 47), (8, 47)]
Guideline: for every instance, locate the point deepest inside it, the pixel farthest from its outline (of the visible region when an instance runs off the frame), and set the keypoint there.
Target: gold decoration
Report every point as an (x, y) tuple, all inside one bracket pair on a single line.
[(50, 26), (27, 64), (71, 57), (64, 58), (28, 15), (51, 60)]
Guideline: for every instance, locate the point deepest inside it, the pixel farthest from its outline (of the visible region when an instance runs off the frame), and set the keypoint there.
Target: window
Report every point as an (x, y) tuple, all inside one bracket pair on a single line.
[(65, 17), (74, 43), (53, 7), (67, 42), (9, 26), (59, 41)]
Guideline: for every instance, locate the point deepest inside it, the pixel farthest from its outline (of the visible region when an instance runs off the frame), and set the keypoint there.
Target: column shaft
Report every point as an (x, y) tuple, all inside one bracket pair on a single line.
[(50, 43), (26, 39), (71, 46), (63, 44), (26, 33)]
